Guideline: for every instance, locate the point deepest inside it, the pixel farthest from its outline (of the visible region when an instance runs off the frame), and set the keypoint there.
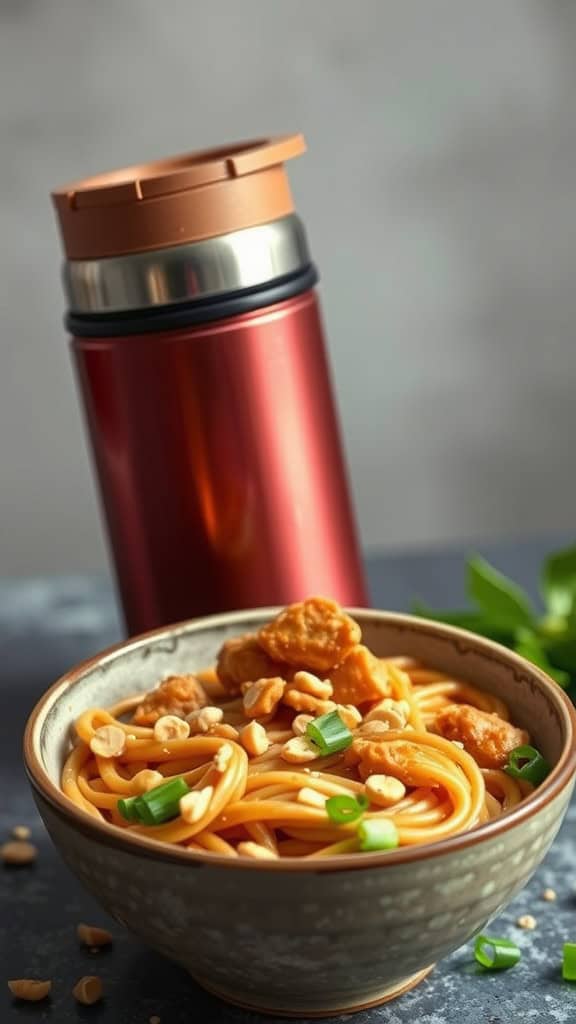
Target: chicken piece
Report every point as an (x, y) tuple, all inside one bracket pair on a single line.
[(177, 695), (314, 634), (243, 660), (486, 737), (398, 758), (359, 678)]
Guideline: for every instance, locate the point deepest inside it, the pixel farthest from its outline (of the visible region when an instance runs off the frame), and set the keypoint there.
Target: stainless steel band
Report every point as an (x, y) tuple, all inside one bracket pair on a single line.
[(229, 263)]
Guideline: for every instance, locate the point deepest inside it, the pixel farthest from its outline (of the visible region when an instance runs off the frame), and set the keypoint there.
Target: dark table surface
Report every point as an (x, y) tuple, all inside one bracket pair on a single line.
[(46, 625)]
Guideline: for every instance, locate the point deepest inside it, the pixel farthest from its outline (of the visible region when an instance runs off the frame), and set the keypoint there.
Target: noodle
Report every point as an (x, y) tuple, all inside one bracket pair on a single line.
[(267, 788)]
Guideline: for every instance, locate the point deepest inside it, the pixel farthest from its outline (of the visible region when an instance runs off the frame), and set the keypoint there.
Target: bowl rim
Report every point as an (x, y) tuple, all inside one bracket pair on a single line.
[(105, 833)]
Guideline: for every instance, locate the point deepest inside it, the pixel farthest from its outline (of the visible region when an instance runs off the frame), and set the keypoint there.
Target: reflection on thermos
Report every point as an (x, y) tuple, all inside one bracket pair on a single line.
[(200, 356)]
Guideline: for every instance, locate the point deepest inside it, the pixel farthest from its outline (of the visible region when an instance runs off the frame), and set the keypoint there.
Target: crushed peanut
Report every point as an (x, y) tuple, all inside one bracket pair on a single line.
[(204, 719), (306, 682), (21, 832), (147, 779), (222, 758), (170, 727), (29, 989), (349, 715), (249, 849), (299, 750), (311, 797), (527, 921), (300, 724), (88, 990), (90, 935), (262, 697), (549, 895), (194, 805), (108, 741), (254, 739), (225, 731), (305, 702), (393, 712), (384, 790), (18, 851)]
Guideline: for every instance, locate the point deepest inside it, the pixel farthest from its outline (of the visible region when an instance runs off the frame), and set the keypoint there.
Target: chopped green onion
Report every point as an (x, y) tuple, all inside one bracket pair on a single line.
[(569, 961), (157, 805), (329, 733), (527, 763), (342, 809), (128, 809), (378, 834), (496, 954)]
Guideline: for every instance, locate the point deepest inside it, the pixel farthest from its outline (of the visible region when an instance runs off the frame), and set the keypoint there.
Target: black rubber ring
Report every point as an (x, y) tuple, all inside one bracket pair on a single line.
[(197, 311)]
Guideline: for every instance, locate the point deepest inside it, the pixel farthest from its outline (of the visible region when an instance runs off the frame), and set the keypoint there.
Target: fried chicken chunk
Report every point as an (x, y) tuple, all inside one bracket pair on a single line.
[(177, 695), (314, 634), (486, 737)]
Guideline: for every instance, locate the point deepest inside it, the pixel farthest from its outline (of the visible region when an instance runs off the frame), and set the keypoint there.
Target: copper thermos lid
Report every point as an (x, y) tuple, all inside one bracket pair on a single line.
[(172, 202)]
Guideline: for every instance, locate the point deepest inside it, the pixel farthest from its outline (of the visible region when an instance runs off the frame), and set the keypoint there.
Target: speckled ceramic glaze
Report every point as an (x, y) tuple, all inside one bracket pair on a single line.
[(291, 937)]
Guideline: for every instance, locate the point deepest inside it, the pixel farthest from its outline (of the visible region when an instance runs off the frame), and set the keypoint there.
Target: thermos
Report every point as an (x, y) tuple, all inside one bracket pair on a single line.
[(200, 357)]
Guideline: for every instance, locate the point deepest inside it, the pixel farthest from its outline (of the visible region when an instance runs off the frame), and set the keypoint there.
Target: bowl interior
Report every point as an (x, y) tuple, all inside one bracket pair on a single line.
[(535, 703)]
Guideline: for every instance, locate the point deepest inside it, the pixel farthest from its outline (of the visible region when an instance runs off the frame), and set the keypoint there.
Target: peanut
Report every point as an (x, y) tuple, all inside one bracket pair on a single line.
[(262, 697), (254, 850), (29, 989), (108, 741), (299, 750), (349, 715), (204, 719), (227, 732), (384, 790), (393, 712), (170, 727), (254, 739), (300, 724), (306, 682), (311, 797), (527, 921), (222, 758), (88, 990), (21, 832), (194, 805), (90, 935), (146, 780), (18, 852), (549, 895)]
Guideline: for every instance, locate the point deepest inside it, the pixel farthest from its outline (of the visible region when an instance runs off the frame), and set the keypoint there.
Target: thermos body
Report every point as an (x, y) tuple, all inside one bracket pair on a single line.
[(207, 393)]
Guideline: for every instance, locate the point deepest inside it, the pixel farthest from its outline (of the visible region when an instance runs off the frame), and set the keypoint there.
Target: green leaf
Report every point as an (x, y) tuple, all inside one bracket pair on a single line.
[(559, 582), (503, 604), (530, 646)]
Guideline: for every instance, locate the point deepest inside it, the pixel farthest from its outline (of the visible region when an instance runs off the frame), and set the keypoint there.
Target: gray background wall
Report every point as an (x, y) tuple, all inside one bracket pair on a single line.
[(440, 196)]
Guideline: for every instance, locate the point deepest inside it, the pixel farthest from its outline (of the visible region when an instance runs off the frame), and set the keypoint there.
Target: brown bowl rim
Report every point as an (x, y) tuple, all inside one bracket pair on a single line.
[(108, 834)]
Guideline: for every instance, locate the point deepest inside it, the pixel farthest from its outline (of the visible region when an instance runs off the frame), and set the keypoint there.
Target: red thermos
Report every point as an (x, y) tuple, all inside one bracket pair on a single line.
[(198, 344)]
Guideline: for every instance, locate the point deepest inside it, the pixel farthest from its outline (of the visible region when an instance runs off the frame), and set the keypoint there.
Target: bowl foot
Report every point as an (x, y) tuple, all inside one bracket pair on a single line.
[(384, 996)]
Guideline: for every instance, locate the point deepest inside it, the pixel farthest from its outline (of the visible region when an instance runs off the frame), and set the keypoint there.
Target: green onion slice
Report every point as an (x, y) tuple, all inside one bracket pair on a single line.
[(329, 733), (128, 809), (496, 954), (569, 961), (157, 805), (378, 834), (527, 763), (342, 809)]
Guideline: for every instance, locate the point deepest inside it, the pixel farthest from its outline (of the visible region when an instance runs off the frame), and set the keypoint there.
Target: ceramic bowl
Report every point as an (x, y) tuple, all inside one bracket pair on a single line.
[(297, 937)]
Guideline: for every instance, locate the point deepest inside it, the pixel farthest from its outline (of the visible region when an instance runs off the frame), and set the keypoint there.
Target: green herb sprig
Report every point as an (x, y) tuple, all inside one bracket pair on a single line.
[(502, 611)]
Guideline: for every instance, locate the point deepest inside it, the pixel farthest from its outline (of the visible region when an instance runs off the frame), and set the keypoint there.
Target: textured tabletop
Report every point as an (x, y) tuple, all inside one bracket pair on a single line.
[(46, 626)]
